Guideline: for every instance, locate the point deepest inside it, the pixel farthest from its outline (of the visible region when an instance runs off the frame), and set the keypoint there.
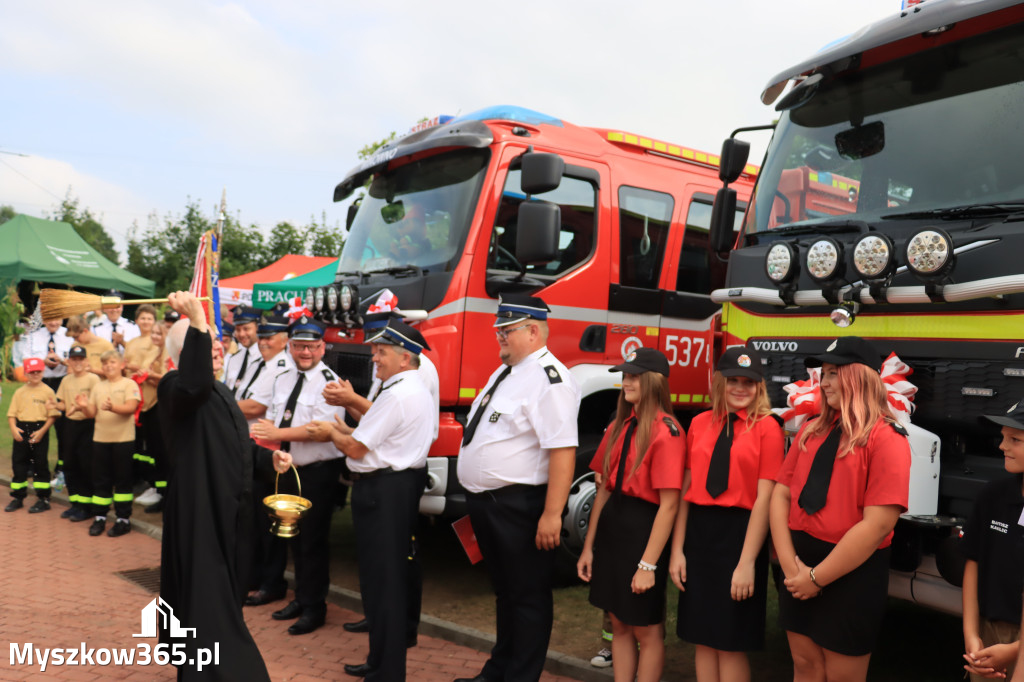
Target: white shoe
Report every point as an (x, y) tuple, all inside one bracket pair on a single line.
[(151, 496), (603, 659)]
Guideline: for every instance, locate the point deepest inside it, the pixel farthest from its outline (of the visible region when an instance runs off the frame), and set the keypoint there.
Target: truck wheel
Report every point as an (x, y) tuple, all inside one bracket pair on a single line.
[(574, 527)]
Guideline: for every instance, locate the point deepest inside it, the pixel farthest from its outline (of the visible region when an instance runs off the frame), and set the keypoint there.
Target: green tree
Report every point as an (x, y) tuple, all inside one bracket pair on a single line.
[(165, 253), (285, 238), (242, 249), (87, 227), (6, 213), (324, 239)]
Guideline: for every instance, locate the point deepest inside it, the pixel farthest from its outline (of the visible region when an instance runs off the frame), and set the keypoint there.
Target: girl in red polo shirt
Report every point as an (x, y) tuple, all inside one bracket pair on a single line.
[(625, 555), (839, 494), (719, 557)]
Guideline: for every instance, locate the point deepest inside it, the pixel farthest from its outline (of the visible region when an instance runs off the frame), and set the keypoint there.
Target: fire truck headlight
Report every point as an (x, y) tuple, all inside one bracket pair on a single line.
[(779, 263), (930, 253), (319, 303), (825, 259), (332, 298), (309, 300), (872, 257), (346, 297), (844, 314)]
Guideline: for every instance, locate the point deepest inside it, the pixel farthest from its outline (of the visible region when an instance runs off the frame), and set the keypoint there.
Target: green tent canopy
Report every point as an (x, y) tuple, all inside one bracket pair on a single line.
[(37, 250), (267, 295)]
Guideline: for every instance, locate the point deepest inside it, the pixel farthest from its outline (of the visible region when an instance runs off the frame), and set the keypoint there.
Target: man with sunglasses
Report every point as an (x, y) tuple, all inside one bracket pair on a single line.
[(517, 461)]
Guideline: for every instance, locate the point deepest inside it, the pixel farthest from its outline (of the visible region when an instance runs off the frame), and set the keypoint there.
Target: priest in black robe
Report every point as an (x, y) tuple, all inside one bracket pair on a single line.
[(207, 532)]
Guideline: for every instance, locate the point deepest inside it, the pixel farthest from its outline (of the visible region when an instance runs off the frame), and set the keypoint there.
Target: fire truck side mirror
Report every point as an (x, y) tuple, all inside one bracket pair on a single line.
[(733, 160), (723, 216), (537, 236), (353, 208), (540, 172)]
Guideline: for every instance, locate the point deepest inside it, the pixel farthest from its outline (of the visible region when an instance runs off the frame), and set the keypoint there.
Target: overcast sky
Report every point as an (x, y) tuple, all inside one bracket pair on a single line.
[(139, 105)]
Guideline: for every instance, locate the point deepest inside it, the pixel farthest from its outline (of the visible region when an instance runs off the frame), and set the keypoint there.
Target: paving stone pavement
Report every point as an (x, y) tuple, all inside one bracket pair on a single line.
[(59, 588)]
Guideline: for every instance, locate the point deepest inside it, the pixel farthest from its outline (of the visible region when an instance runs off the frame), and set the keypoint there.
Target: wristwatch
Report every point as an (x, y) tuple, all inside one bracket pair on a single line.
[(813, 580)]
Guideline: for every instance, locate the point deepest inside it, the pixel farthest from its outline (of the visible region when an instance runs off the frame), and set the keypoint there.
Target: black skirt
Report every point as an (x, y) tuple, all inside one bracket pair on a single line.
[(708, 615), (846, 616), (622, 534)]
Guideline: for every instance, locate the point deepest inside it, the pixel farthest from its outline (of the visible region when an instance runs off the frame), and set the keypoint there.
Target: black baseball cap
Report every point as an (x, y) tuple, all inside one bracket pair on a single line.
[(643, 360), (171, 316), (740, 361), (848, 350), (77, 352), (1014, 417)]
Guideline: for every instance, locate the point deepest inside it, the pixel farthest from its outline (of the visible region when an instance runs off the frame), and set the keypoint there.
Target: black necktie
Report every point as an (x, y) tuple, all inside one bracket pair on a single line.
[(718, 469), (620, 473), (259, 368), (376, 394), (289, 410), (815, 492), (471, 427), (52, 346), (245, 363)]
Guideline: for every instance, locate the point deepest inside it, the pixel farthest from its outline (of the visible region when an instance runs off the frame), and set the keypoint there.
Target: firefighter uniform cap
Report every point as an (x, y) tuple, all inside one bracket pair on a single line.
[(226, 328), (398, 333), (514, 308), (739, 361), (643, 360), (848, 350), (273, 323), (306, 329), (244, 313), (374, 321), (1014, 417)]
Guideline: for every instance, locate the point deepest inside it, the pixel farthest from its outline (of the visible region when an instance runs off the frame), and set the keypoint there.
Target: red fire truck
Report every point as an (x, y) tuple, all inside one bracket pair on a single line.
[(890, 206), (610, 228)]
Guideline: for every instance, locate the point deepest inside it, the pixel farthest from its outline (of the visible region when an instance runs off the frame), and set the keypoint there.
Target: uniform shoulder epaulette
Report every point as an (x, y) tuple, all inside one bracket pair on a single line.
[(777, 418), (673, 428), (553, 375), (328, 374), (281, 362), (898, 428)]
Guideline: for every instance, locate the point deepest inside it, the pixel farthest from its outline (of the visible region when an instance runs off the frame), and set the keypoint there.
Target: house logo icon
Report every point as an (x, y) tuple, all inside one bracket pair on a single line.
[(158, 614)]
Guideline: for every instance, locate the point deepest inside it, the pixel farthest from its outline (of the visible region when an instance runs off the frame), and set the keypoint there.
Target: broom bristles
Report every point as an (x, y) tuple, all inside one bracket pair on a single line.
[(61, 303)]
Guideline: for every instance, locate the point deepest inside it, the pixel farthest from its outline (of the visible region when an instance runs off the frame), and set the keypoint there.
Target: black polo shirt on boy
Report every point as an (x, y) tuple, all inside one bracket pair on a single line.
[(994, 539)]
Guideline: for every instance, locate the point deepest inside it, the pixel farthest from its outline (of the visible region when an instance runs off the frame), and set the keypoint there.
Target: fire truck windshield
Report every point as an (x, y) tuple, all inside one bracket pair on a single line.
[(933, 133), (416, 216)]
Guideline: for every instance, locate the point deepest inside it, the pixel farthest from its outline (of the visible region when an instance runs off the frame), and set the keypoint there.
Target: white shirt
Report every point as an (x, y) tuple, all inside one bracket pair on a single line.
[(262, 389), (428, 375), (233, 364), (399, 426), (104, 328), (532, 411), (310, 406), (38, 346)]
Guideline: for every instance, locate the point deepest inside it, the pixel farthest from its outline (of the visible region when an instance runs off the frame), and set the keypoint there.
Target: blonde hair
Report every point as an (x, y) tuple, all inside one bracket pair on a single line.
[(863, 401), (110, 355), (759, 408), (76, 324), (654, 402)]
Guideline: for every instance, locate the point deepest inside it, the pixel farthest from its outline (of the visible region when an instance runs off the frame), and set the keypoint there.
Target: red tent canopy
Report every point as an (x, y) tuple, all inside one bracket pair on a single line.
[(238, 290)]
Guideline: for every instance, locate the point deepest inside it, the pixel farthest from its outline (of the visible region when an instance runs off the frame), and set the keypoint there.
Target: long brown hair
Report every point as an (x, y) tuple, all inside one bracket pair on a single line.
[(759, 408), (863, 401), (654, 401)]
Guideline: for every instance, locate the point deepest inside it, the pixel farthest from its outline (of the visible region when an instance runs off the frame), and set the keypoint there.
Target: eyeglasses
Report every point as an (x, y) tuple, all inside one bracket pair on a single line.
[(305, 347), (502, 333)]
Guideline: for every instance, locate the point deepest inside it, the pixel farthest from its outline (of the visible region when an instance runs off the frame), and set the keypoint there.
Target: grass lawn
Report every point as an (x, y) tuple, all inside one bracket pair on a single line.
[(916, 644)]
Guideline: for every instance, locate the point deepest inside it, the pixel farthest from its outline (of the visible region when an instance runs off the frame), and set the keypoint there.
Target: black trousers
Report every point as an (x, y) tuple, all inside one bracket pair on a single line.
[(384, 511), (77, 458), (112, 478), (59, 425), (310, 549), (28, 457), (505, 525), (153, 448)]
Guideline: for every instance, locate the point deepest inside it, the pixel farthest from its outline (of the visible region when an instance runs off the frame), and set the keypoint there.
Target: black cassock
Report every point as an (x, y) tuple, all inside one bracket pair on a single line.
[(208, 515)]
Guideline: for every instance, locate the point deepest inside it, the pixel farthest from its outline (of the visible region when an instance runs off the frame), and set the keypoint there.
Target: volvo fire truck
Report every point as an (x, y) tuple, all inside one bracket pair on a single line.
[(890, 205), (608, 227)]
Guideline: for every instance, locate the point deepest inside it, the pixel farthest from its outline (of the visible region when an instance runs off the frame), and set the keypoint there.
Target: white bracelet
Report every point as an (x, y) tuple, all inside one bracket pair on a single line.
[(644, 566)]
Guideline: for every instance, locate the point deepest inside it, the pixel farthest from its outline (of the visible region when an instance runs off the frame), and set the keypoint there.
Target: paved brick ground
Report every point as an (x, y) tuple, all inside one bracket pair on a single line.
[(60, 588)]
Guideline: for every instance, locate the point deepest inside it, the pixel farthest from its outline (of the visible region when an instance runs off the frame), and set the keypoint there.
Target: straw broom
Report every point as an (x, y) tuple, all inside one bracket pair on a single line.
[(61, 303)]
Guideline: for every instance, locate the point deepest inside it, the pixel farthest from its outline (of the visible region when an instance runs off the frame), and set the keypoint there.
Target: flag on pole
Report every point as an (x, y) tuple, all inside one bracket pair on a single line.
[(204, 274)]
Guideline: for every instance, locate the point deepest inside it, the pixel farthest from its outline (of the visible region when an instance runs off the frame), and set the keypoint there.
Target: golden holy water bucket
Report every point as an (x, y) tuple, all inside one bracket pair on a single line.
[(286, 510)]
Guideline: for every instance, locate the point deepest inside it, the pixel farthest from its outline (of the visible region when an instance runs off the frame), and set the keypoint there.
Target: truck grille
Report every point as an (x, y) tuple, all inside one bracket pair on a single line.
[(355, 367)]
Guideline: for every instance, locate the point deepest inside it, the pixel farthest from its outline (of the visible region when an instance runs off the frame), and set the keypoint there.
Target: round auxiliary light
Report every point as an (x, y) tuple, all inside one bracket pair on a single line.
[(930, 253), (332, 298), (873, 257), (780, 262), (346, 297), (319, 299), (824, 259), (308, 301)]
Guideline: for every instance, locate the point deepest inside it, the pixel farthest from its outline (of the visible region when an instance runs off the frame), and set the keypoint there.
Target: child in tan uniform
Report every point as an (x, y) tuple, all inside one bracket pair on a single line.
[(112, 403), (77, 444), (30, 417)]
